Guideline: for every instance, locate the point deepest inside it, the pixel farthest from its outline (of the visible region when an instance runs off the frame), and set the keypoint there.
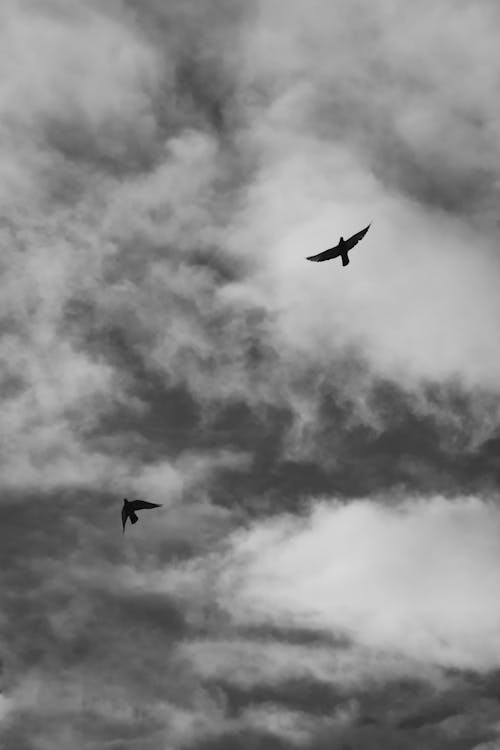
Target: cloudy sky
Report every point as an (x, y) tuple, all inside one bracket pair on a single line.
[(325, 570)]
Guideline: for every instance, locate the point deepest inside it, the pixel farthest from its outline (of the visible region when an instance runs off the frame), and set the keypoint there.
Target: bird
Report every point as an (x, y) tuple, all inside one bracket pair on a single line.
[(130, 506), (341, 249)]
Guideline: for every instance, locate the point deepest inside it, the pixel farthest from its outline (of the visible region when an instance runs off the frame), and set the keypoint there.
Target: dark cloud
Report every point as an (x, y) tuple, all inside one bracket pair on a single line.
[(241, 740)]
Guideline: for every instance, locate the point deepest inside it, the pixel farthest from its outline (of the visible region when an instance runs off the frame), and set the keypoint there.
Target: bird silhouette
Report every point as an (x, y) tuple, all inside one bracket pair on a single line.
[(130, 506), (341, 249)]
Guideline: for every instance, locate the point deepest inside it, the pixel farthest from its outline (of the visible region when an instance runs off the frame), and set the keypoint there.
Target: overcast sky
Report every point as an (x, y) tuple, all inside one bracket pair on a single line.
[(324, 572)]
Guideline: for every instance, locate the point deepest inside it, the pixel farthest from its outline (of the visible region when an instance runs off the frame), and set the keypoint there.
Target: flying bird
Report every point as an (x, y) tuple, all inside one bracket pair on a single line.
[(129, 508), (341, 249)]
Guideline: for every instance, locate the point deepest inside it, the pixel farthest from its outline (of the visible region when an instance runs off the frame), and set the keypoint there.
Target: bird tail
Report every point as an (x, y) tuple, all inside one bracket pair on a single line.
[(345, 259), (133, 517)]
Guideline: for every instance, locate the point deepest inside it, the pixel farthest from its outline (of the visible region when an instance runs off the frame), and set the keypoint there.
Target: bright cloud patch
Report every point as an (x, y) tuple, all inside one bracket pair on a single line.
[(420, 578)]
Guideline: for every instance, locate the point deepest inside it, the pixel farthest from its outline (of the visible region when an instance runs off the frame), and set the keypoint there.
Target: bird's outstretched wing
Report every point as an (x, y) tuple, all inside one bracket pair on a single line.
[(356, 238), (141, 504), (325, 255), (124, 518)]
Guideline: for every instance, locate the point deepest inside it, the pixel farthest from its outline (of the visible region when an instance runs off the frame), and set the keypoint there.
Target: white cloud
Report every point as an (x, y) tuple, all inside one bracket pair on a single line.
[(417, 578), (82, 64), (91, 76), (355, 124), (419, 297)]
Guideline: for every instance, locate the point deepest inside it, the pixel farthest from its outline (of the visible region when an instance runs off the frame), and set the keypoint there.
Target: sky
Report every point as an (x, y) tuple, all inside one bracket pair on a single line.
[(325, 567)]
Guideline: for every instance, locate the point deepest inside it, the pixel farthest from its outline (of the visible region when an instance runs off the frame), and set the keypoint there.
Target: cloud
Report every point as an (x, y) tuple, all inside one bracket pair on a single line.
[(416, 577), (71, 272), (166, 168), (273, 666), (342, 141), (54, 392), (158, 255), (85, 106)]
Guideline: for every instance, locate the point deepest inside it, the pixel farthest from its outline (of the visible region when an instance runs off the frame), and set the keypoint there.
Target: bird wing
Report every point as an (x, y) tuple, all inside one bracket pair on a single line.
[(141, 504), (356, 238), (124, 518), (325, 255)]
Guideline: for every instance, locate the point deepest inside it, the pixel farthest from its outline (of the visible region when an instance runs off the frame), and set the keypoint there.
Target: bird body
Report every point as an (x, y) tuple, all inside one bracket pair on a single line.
[(129, 508), (342, 249)]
